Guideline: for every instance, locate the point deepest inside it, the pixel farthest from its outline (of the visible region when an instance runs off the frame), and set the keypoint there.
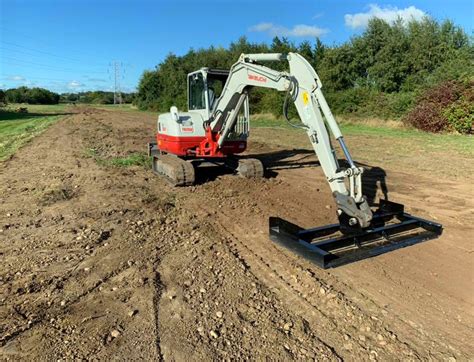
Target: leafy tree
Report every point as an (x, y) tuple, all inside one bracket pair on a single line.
[(2, 98), (95, 97), (379, 72), (318, 53), (149, 90), (31, 96)]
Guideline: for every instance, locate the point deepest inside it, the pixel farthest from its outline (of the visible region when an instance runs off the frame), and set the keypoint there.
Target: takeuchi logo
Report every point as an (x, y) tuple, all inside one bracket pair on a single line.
[(257, 78)]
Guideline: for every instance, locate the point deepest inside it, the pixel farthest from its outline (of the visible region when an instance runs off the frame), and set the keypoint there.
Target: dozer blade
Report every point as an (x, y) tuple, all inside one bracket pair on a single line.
[(175, 170), (391, 229)]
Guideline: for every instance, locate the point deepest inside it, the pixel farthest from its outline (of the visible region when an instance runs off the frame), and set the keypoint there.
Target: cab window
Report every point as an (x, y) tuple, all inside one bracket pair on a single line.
[(196, 92), (215, 85)]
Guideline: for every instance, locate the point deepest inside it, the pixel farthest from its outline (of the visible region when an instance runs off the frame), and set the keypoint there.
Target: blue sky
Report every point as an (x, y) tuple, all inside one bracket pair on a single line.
[(69, 45)]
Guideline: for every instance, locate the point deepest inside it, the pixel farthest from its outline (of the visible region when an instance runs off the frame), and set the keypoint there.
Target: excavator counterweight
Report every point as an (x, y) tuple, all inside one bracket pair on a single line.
[(215, 129)]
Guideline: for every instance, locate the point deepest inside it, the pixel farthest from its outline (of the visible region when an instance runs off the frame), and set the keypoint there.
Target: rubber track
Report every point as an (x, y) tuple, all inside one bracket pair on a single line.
[(175, 170)]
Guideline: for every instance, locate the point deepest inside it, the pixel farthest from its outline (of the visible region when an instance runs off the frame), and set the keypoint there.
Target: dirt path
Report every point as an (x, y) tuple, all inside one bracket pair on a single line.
[(112, 262)]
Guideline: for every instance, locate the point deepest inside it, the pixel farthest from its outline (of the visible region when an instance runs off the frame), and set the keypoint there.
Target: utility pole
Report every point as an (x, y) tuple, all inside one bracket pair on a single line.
[(117, 92)]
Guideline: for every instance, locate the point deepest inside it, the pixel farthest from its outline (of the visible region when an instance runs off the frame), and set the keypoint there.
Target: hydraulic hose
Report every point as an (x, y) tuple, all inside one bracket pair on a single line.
[(291, 92)]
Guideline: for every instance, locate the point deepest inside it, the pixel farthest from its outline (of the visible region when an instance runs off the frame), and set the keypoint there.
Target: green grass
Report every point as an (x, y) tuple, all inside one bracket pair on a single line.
[(122, 108), (134, 159), (38, 108), (460, 143), (16, 129)]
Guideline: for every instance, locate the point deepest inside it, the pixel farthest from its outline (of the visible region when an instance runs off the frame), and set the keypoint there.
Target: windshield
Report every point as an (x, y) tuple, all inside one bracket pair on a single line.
[(215, 86), (196, 92)]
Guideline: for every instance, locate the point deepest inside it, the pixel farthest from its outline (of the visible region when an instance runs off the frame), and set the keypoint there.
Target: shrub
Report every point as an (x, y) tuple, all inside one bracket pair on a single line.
[(460, 115), (427, 117), (363, 101), (354, 100), (437, 104), (399, 103)]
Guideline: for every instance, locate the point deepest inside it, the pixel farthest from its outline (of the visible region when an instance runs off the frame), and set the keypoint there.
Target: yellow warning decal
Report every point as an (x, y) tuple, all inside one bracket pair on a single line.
[(305, 98)]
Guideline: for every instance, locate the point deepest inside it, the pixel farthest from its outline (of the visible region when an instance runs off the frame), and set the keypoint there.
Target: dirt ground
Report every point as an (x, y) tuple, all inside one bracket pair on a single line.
[(102, 262)]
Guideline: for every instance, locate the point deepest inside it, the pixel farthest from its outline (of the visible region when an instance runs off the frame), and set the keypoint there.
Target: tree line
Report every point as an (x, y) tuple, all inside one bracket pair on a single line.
[(95, 97), (381, 72), (44, 96), (29, 95)]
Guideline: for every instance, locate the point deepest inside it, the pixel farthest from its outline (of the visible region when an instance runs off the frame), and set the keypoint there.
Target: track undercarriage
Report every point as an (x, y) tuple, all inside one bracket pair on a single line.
[(182, 171)]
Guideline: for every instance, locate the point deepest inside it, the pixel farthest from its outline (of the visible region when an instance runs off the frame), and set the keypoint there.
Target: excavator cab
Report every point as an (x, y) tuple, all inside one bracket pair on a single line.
[(205, 86)]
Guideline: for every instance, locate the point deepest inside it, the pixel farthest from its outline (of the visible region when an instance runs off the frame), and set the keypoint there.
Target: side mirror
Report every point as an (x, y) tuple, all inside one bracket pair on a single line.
[(174, 113)]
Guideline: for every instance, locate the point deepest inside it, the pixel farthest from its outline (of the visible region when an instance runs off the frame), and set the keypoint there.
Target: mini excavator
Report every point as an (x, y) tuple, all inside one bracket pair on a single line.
[(215, 129)]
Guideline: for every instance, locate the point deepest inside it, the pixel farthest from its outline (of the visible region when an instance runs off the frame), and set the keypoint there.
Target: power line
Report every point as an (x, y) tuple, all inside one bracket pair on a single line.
[(64, 81), (38, 40), (45, 66), (45, 53), (34, 78), (118, 68)]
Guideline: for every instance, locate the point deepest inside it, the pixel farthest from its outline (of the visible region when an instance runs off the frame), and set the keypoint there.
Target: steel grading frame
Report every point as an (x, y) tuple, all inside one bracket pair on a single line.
[(335, 251)]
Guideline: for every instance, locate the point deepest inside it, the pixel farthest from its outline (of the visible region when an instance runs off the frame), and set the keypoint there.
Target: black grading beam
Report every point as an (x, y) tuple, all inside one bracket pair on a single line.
[(342, 249)]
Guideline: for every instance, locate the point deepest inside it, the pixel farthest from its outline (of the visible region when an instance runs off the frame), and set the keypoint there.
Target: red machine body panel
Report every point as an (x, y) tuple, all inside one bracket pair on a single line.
[(198, 146)]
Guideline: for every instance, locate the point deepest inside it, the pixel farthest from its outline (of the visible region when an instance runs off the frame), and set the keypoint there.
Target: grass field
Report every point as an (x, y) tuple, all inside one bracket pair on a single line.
[(37, 108), (373, 128), (389, 131), (123, 108), (16, 128)]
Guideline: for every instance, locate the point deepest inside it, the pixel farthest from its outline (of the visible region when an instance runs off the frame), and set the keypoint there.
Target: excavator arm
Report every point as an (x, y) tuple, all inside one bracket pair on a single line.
[(360, 233), (304, 87)]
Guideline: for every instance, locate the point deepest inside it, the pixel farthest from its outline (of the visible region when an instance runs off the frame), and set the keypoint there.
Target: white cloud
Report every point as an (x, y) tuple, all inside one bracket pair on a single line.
[(300, 30), (389, 14), (100, 80), (74, 84), (17, 78), (318, 15), (262, 27)]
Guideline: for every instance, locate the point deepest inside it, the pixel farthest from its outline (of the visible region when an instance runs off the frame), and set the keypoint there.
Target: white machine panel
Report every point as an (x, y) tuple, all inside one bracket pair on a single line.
[(189, 124)]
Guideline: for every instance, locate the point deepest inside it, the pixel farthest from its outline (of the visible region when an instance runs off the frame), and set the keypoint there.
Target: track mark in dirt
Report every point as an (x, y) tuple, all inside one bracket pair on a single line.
[(216, 308), (156, 315), (320, 304), (250, 213)]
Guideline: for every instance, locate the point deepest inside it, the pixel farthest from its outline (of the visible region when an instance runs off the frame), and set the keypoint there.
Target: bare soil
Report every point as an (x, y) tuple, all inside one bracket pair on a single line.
[(102, 262)]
